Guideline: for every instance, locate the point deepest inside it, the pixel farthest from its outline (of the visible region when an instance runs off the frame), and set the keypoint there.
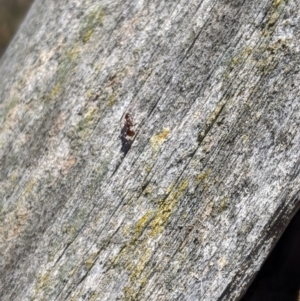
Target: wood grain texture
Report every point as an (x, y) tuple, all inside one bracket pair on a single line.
[(211, 179)]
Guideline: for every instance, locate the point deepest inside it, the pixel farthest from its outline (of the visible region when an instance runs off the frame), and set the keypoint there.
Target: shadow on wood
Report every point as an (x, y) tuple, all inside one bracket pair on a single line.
[(279, 277)]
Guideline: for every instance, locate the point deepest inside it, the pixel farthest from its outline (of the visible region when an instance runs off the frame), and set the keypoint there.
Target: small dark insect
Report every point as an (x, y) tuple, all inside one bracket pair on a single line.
[(126, 133)]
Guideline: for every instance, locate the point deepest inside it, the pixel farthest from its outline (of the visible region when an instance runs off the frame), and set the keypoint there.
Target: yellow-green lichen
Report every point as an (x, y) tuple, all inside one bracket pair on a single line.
[(148, 190), (265, 56), (215, 113), (42, 282), (276, 3), (157, 140), (237, 60), (90, 116), (76, 220), (165, 210), (148, 168), (142, 223), (88, 35), (137, 282), (67, 65), (29, 187), (220, 206), (210, 121), (73, 271), (93, 296), (89, 93), (170, 188), (161, 217), (5, 108), (69, 229), (98, 68), (55, 91), (111, 99), (271, 54), (90, 22), (91, 260), (85, 125), (135, 255), (223, 204), (274, 14), (203, 175), (126, 230), (53, 250), (14, 177)]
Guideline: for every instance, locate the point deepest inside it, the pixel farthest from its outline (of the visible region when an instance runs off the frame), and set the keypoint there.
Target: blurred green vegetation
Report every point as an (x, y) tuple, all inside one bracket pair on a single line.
[(12, 13)]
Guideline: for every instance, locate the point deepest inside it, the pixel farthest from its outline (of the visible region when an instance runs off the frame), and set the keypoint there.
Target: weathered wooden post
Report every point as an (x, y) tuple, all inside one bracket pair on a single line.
[(210, 176)]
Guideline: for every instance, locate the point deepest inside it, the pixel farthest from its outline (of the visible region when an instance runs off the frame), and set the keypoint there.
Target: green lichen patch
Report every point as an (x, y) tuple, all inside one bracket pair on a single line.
[(215, 113), (14, 176), (90, 295), (137, 280), (29, 187), (91, 260), (93, 296), (276, 3), (136, 254), (165, 210), (43, 281), (152, 223), (273, 16), (55, 247), (6, 107), (67, 66), (88, 119), (212, 118), (55, 91), (75, 223), (236, 62), (202, 178), (220, 206), (92, 20), (142, 224), (265, 58), (266, 55), (111, 99), (85, 126), (269, 55)]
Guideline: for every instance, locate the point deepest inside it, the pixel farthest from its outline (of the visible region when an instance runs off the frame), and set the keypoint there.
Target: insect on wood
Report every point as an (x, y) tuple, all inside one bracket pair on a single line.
[(126, 134)]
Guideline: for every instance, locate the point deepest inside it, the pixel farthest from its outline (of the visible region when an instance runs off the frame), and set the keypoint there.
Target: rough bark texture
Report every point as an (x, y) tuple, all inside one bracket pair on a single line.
[(211, 179)]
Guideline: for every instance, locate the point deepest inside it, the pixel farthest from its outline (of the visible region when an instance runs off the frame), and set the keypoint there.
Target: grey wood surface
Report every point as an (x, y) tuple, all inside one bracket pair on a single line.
[(211, 180)]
